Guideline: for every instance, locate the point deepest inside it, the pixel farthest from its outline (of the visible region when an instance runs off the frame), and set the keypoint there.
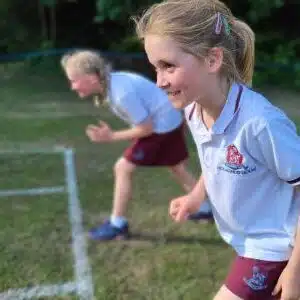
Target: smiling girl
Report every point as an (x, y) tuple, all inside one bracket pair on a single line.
[(249, 150)]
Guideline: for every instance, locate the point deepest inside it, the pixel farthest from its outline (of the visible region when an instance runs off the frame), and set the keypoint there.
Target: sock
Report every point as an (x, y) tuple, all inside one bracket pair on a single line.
[(118, 222)]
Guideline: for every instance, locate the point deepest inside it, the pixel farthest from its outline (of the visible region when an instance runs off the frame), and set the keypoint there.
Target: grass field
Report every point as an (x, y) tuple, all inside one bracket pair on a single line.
[(162, 261)]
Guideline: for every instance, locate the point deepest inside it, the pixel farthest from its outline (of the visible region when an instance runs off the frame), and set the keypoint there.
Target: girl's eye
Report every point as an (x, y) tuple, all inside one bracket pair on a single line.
[(164, 66), (167, 65)]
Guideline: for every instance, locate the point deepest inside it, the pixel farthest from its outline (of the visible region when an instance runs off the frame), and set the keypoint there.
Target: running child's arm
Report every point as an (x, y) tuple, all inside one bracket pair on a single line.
[(138, 131), (288, 283), (279, 146), (199, 192), (295, 258), (103, 133), (182, 207)]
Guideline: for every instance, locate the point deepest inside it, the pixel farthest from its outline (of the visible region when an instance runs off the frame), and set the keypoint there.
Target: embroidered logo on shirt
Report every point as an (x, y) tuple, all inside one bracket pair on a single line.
[(235, 162), (258, 280)]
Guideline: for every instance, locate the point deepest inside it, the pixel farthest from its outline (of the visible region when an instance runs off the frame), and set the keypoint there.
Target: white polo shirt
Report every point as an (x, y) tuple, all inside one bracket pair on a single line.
[(135, 99), (250, 161)]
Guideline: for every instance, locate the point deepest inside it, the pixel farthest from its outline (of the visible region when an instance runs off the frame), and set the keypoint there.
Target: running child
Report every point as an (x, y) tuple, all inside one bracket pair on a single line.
[(156, 131), (249, 149)]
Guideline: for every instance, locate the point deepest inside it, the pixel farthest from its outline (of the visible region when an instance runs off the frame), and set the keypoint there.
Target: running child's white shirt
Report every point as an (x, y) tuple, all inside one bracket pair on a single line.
[(135, 99), (250, 160)]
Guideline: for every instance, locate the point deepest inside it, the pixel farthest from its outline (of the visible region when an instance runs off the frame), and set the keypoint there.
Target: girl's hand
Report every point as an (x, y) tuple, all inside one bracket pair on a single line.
[(182, 207), (100, 133)]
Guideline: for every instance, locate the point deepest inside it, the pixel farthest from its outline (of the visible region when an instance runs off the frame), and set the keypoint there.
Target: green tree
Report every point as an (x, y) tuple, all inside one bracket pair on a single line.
[(119, 10), (261, 9)]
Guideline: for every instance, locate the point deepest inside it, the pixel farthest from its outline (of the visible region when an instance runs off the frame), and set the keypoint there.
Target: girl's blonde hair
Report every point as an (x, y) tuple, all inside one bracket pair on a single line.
[(89, 62), (199, 25)]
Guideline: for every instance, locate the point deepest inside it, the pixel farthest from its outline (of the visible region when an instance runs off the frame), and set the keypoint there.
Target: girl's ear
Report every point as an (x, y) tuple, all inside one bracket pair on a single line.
[(94, 78), (214, 60)]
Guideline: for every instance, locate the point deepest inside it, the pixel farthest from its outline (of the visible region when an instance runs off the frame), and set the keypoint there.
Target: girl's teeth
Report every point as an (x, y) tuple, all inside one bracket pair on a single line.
[(174, 93)]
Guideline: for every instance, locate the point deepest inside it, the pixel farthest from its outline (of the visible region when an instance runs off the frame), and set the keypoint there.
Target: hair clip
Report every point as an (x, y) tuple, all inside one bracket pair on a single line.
[(219, 24), (222, 20), (226, 25)]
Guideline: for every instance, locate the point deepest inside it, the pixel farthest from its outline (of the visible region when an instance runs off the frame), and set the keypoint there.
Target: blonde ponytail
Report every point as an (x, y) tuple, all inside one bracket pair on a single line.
[(245, 57)]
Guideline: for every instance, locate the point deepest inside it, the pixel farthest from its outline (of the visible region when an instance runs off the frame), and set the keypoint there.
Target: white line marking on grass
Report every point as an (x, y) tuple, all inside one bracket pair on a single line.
[(39, 291), (83, 273), (28, 150), (33, 191), (38, 115)]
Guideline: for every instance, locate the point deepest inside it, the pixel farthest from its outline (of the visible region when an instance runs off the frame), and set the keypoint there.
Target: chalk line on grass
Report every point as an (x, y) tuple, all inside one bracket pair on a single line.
[(33, 191), (82, 268), (39, 291)]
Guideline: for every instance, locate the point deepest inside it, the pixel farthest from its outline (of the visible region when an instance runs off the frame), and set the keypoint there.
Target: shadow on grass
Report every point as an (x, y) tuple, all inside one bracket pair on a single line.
[(173, 239), (165, 238)]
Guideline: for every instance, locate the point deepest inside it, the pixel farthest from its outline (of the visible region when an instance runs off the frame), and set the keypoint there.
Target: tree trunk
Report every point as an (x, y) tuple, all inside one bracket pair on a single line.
[(53, 24), (43, 20)]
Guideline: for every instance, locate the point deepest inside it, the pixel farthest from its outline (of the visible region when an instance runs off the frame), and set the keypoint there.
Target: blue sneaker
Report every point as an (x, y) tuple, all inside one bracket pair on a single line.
[(201, 216), (107, 232)]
